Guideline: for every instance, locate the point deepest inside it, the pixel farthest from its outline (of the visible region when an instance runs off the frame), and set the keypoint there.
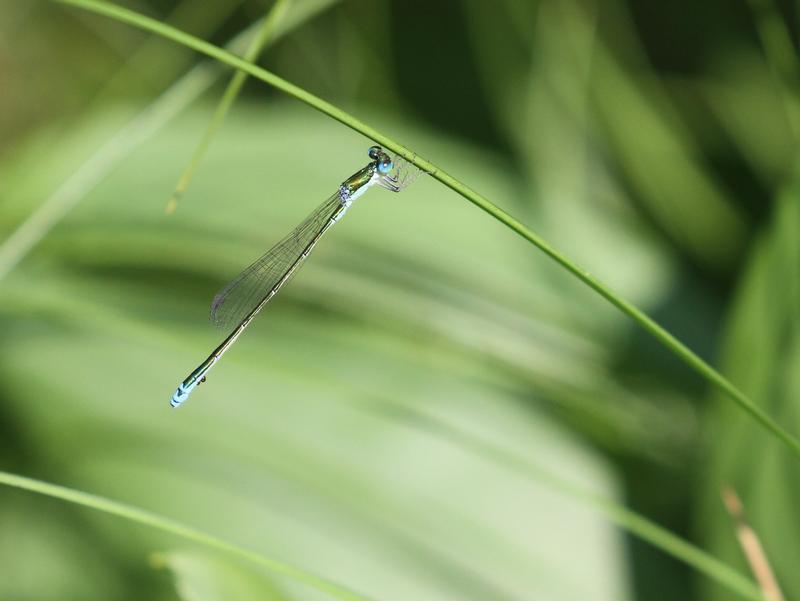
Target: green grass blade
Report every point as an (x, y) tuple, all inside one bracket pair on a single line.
[(619, 515), (200, 576), (781, 56), (137, 66), (94, 170), (637, 315), (169, 526), (149, 121), (231, 92)]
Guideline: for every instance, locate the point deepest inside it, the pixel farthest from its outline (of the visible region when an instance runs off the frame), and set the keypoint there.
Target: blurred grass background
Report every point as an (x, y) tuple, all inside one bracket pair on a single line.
[(654, 143)]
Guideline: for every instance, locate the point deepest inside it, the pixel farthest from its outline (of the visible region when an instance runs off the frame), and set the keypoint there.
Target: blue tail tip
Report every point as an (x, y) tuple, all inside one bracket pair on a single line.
[(179, 397)]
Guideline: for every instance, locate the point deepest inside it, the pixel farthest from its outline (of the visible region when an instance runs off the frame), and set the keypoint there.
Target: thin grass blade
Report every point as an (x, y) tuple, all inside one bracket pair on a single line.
[(264, 34), (669, 341)]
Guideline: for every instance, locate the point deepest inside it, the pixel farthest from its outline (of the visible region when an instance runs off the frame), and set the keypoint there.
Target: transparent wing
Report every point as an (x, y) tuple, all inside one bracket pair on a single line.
[(404, 173), (236, 300)]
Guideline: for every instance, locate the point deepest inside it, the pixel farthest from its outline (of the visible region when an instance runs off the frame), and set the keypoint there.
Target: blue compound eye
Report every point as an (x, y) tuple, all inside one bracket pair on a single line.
[(385, 166), (374, 151)]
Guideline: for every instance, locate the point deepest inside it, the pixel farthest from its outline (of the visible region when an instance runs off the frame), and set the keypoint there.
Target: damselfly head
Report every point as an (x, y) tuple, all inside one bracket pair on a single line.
[(383, 162)]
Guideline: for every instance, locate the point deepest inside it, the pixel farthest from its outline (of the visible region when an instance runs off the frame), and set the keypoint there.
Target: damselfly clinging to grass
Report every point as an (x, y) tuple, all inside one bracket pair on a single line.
[(240, 301)]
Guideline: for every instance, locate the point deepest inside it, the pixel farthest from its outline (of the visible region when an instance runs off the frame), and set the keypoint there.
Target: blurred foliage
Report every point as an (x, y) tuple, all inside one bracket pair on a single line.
[(653, 143), (763, 349), (201, 577)]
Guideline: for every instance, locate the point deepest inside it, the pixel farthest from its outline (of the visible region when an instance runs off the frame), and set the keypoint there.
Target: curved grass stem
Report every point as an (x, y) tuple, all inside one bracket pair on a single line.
[(111, 154), (146, 518), (637, 315)]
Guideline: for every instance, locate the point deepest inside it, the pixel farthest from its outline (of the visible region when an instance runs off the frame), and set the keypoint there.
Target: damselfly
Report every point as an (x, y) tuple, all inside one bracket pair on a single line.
[(240, 301)]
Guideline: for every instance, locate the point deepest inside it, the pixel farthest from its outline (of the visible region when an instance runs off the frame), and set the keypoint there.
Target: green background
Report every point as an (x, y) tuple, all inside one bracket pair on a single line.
[(390, 421)]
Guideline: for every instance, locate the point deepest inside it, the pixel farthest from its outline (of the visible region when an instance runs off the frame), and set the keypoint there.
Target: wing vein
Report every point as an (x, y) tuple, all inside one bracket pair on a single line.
[(244, 293)]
